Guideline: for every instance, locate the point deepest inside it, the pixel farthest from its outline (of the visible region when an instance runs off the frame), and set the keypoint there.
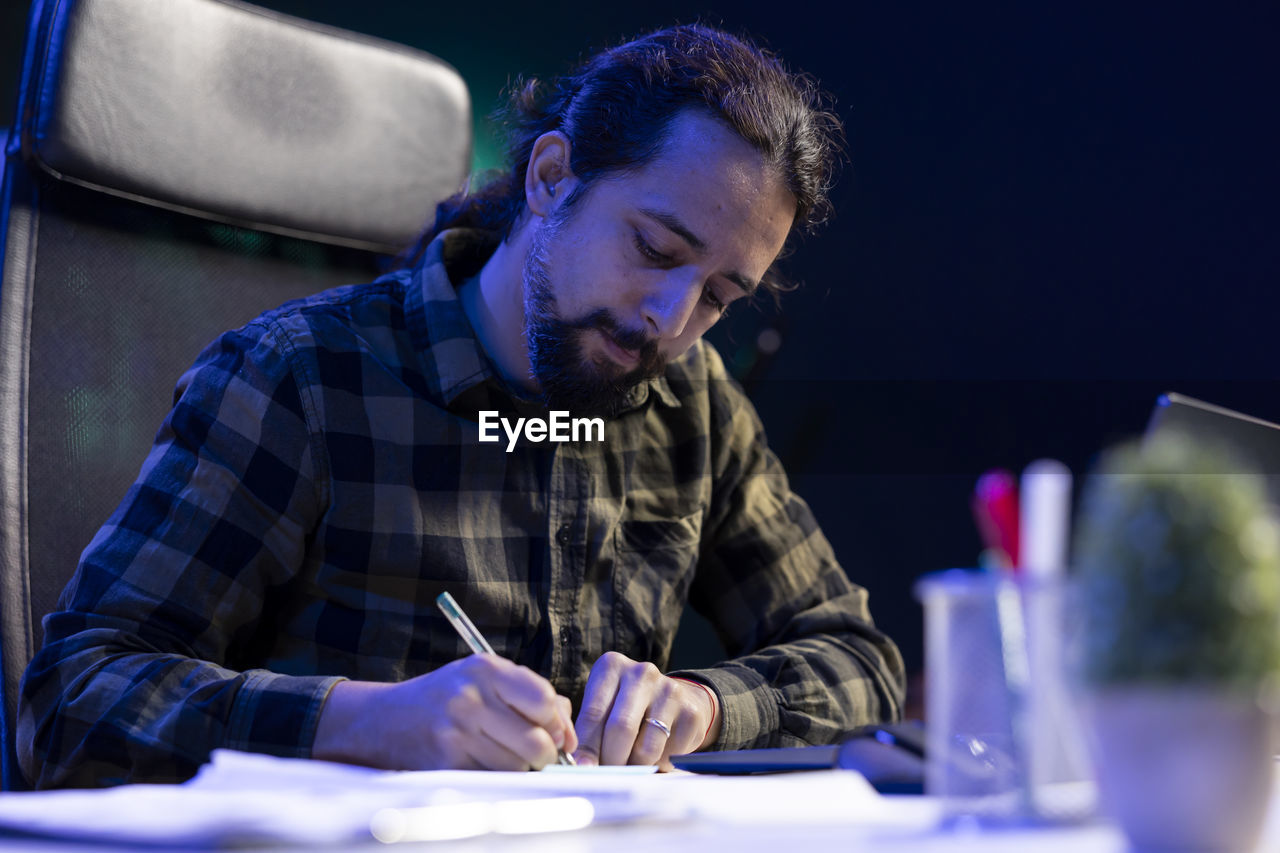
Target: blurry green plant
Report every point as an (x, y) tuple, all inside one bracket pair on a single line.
[(1178, 560)]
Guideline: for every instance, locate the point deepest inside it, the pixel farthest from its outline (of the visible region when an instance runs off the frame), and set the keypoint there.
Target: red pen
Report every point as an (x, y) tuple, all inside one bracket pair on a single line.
[(995, 510)]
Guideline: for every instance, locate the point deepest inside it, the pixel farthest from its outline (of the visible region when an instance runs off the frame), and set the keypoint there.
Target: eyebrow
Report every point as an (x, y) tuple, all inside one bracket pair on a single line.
[(673, 224)]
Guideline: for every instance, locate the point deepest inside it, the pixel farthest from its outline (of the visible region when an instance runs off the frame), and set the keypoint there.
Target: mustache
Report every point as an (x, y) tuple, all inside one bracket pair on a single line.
[(633, 339)]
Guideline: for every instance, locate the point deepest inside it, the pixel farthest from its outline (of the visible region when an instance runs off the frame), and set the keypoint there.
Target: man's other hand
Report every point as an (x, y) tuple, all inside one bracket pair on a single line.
[(628, 708), (479, 712)]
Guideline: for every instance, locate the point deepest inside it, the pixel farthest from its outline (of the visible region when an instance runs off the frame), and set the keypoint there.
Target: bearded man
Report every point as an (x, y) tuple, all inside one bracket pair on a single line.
[(268, 583)]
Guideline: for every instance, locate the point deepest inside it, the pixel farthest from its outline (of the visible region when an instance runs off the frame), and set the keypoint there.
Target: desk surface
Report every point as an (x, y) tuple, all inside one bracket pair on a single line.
[(822, 810), (700, 837)]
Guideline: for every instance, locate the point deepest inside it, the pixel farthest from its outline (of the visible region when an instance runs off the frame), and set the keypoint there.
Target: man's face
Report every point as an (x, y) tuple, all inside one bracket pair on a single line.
[(642, 265)]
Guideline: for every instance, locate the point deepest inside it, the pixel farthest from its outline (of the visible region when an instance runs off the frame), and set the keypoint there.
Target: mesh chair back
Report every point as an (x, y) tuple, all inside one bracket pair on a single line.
[(108, 294)]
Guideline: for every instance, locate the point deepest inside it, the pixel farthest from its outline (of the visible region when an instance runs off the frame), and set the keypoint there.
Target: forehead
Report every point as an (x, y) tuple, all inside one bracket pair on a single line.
[(718, 184)]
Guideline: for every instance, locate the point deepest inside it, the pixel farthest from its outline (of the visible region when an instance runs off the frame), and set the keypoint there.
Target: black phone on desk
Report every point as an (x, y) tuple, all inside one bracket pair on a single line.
[(889, 755)]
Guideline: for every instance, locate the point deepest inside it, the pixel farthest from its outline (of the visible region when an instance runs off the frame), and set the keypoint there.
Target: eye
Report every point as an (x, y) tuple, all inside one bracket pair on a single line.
[(650, 253), (709, 297)]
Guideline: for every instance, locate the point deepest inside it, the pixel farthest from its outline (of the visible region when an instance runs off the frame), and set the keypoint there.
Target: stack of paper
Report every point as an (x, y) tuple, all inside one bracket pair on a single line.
[(243, 799)]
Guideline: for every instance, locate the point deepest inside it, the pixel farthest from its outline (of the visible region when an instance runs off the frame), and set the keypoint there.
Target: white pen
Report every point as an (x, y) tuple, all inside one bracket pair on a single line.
[(478, 644)]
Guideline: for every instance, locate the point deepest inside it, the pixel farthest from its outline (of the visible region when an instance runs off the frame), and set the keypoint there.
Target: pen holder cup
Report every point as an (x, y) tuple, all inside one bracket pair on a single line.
[(1005, 744)]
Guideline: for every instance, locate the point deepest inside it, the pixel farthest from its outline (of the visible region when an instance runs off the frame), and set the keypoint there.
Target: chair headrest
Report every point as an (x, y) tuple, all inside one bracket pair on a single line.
[(240, 114)]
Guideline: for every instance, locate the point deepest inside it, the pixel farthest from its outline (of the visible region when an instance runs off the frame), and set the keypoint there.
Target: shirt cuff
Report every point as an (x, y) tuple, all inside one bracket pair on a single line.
[(749, 716), (277, 714)]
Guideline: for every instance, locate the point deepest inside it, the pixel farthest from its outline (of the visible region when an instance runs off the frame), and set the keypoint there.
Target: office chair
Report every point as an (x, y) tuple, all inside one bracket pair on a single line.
[(175, 168)]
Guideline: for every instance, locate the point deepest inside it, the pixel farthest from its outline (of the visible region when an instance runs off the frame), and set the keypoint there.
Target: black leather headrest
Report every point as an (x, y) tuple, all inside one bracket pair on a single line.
[(236, 113)]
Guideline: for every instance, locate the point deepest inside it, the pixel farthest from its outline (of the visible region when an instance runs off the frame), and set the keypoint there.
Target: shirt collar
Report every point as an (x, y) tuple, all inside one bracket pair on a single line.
[(455, 361)]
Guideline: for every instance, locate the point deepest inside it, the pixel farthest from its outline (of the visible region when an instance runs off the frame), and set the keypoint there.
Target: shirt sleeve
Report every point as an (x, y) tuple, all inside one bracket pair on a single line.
[(807, 663), (137, 679)]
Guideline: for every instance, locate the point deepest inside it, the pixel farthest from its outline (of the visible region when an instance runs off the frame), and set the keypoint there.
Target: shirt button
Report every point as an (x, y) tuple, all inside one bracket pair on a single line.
[(565, 635), (562, 535)]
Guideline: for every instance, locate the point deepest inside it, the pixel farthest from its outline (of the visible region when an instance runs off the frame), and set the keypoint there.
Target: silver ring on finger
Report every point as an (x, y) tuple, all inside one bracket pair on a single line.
[(659, 725)]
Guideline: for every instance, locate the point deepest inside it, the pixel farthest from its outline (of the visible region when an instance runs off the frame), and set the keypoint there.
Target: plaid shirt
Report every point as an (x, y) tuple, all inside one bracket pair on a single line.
[(320, 480)]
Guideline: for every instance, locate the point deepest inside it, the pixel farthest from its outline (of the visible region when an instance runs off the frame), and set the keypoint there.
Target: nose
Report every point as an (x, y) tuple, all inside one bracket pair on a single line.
[(668, 307)]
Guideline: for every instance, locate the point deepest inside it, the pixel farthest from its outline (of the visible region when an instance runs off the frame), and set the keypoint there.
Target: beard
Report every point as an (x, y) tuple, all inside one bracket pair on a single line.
[(569, 379)]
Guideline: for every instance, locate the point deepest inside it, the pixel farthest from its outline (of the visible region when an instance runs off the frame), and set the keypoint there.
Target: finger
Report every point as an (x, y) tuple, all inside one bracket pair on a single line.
[(652, 741), (530, 696), (689, 727), (566, 718), (637, 688), (597, 702), (522, 689), (489, 753), (531, 743)]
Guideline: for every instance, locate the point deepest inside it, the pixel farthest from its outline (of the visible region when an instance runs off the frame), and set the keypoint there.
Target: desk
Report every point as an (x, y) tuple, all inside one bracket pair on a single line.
[(786, 813), (707, 837)]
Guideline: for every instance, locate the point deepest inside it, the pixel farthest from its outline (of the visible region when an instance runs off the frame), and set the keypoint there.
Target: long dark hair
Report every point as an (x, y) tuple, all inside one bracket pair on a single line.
[(616, 109)]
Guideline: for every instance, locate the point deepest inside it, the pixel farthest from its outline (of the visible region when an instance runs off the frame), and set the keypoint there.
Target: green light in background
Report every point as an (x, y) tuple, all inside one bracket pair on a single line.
[(240, 239), (304, 253), (487, 75), (486, 150)]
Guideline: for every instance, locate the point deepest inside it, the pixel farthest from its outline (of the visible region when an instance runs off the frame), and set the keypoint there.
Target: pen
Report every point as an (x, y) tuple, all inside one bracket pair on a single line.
[(995, 509), (478, 644), (1045, 518)]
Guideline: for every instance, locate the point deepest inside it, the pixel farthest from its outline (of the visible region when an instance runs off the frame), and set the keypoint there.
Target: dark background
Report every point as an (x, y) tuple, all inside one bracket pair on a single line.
[(1050, 215)]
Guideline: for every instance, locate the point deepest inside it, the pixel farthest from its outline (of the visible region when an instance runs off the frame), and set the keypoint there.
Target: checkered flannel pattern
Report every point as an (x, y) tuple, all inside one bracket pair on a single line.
[(319, 481)]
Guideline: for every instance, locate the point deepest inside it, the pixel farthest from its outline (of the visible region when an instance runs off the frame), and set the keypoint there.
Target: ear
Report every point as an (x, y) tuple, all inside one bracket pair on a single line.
[(548, 180)]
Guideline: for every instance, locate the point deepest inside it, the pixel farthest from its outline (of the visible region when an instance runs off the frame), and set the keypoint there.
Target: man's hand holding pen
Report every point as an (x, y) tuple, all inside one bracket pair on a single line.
[(631, 712), (485, 712), (481, 712)]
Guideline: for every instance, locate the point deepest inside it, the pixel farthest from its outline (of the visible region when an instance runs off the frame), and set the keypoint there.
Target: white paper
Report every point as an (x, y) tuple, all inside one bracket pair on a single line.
[(242, 798)]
